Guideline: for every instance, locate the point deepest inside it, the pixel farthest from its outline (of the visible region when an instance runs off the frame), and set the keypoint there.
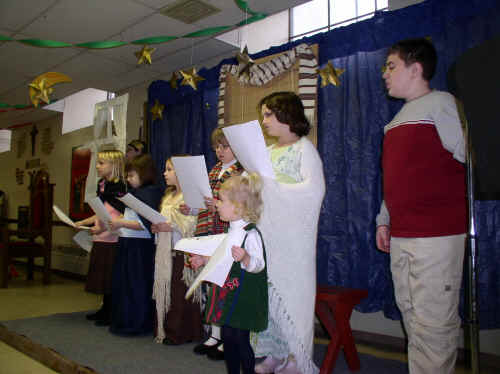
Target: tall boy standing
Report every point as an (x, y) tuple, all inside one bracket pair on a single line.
[(422, 220)]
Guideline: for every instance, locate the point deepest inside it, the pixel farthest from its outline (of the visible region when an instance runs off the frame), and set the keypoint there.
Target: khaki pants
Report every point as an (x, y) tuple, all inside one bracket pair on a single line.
[(427, 274)]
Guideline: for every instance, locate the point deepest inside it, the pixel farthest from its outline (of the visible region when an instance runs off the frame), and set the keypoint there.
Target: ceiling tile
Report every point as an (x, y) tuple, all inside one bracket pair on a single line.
[(155, 4), (85, 21), (157, 25), (15, 14), (32, 61), (186, 58)]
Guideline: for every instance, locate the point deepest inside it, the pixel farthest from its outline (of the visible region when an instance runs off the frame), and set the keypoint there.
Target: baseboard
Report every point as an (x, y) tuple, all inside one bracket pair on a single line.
[(396, 344)]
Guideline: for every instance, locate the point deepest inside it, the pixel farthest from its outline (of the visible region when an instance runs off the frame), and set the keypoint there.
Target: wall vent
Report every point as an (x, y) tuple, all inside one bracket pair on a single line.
[(189, 11)]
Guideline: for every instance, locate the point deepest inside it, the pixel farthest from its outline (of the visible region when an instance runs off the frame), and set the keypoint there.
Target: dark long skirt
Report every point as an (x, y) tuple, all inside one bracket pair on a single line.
[(183, 322), (133, 273), (99, 277)]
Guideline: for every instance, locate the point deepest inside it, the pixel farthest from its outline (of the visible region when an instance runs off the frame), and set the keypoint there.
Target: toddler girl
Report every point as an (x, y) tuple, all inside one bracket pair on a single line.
[(241, 305)]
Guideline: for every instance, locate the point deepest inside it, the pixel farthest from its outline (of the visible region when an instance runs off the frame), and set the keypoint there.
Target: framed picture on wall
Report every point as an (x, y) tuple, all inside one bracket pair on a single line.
[(80, 162)]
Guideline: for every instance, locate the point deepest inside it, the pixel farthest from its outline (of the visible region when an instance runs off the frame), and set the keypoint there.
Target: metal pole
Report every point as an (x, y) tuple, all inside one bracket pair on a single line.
[(472, 320)]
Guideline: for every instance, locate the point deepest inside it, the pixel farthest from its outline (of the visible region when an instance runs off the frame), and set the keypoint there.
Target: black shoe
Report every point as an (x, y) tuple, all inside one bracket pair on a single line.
[(95, 316), (103, 322), (202, 349), (215, 354)]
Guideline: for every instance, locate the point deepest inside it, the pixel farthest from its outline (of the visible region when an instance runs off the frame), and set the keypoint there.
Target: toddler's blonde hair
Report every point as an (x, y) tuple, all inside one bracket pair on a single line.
[(245, 193), (117, 159)]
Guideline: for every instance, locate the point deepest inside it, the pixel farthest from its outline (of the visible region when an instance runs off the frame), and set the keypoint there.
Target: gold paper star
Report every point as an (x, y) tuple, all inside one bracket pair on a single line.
[(42, 92), (190, 78), (144, 55), (330, 75), (244, 63), (157, 110), (173, 81)]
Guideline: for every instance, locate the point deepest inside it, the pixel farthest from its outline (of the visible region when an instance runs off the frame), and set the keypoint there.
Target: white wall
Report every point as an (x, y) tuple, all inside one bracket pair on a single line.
[(397, 4)]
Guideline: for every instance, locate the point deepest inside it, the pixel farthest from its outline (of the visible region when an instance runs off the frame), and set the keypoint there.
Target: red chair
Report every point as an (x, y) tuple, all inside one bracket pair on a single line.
[(334, 307), (35, 238)]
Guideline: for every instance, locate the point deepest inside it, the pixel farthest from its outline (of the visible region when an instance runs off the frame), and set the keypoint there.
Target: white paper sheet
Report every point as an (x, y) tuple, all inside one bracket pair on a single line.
[(63, 217), (5, 140), (192, 175), (201, 245), (142, 209), (249, 147), (84, 240), (101, 212), (219, 265)]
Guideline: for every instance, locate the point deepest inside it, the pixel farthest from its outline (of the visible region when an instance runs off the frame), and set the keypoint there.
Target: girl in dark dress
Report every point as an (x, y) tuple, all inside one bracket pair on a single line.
[(132, 311)]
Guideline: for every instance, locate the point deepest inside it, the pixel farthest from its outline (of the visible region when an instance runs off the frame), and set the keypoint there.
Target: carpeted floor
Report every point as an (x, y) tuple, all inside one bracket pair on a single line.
[(78, 340)]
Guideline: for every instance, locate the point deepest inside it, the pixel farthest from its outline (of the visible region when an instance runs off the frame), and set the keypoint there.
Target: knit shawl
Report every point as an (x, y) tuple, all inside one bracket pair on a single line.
[(185, 225)]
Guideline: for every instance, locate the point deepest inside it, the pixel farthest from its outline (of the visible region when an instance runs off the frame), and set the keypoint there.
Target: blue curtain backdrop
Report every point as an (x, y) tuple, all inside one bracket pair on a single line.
[(350, 131)]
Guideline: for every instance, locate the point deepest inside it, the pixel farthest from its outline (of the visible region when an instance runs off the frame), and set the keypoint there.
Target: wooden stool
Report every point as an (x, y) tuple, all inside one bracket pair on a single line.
[(334, 308)]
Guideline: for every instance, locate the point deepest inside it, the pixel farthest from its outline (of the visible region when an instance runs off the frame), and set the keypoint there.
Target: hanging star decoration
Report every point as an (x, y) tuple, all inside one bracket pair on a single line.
[(157, 110), (173, 81), (41, 92), (191, 78), (330, 75), (245, 63), (144, 55)]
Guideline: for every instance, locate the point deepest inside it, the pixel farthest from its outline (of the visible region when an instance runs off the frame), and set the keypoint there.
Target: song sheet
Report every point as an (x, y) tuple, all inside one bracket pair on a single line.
[(63, 217), (192, 175), (249, 147), (142, 209)]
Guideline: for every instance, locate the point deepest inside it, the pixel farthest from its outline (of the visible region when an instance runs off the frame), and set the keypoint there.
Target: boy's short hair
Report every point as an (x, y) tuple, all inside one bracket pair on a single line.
[(144, 166), (419, 50), (218, 137), (288, 109)]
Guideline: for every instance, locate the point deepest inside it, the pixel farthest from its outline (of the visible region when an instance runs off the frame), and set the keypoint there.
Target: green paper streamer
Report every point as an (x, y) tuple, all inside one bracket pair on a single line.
[(206, 32), (244, 7), (101, 45), (154, 40), (3, 105), (45, 43), (5, 38)]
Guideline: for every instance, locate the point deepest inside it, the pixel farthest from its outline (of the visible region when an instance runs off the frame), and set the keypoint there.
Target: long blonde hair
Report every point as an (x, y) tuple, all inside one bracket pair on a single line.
[(245, 194), (117, 160)]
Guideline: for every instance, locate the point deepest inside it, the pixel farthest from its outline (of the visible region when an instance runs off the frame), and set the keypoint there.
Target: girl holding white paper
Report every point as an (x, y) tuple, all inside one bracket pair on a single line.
[(289, 224), (209, 223), (111, 185), (132, 310), (179, 320), (241, 304)]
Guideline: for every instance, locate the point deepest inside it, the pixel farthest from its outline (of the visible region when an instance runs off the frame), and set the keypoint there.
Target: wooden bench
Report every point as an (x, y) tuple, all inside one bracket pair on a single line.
[(334, 307)]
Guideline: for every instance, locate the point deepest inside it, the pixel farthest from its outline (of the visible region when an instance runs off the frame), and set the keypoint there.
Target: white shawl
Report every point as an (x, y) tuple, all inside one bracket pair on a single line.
[(289, 224), (184, 225)]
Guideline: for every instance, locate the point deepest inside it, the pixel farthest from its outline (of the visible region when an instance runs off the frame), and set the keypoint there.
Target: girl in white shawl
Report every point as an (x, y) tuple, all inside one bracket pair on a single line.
[(183, 318), (289, 226)]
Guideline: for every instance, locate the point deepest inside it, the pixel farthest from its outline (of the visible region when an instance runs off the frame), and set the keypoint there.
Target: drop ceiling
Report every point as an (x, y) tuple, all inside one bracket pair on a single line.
[(116, 69)]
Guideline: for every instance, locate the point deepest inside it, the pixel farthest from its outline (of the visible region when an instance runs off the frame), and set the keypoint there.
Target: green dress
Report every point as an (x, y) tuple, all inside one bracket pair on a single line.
[(243, 300)]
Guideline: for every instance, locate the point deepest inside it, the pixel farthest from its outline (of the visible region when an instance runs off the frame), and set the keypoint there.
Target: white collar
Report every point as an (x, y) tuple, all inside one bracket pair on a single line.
[(237, 225), (226, 166)]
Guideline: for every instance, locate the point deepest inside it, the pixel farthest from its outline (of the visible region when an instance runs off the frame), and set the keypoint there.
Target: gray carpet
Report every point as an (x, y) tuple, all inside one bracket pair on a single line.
[(75, 338)]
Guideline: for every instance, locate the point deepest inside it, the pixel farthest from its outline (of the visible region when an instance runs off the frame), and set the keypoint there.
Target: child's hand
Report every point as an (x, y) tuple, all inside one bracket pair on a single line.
[(115, 224), (96, 230), (184, 209), (197, 260), (240, 255), (161, 227), (210, 203)]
